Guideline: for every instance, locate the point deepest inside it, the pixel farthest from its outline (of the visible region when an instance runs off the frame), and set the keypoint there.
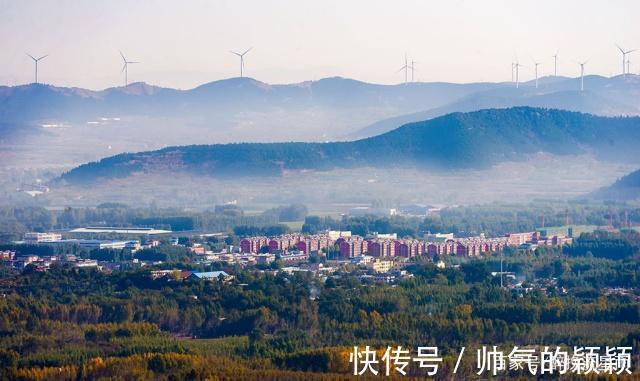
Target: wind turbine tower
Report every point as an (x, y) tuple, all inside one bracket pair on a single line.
[(555, 64), (517, 66), (536, 64), (582, 74), (406, 68), (624, 58), (36, 60), (413, 68), (125, 69), (241, 55)]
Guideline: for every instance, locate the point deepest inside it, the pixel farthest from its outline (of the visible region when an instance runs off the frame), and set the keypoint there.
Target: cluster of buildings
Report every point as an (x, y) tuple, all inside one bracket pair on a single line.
[(380, 255), (9, 259), (33, 238), (288, 242), (242, 258), (375, 245), (17, 261), (181, 275), (531, 240)]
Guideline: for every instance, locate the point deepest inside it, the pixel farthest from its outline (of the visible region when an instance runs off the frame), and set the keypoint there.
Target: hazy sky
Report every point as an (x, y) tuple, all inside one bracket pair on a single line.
[(185, 43)]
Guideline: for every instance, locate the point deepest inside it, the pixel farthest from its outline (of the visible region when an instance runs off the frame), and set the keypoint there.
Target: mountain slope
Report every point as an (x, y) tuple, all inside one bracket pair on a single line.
[(455, 141), (603, 96), (43, 126), (34, 102), (625, 189)]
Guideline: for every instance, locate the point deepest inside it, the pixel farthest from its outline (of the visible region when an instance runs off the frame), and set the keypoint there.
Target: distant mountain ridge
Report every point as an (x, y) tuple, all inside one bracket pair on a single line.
[(455, 141), (44, 126), (614, 96), (217, 105), (40, 101)]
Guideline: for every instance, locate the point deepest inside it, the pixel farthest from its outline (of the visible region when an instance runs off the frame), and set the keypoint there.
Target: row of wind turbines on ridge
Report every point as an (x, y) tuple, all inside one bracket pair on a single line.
[(515, 67), (126, 63)]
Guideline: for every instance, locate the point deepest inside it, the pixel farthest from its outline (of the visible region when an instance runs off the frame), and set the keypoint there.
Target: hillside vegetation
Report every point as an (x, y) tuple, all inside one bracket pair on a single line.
[(455, 141)]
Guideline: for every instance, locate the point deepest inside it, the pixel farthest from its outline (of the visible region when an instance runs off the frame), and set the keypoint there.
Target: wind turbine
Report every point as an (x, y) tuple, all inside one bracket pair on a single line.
[(628, 65), (413, 68), (517, 66), (125, 68), (536, 64), (582, 74), (241, 55), (513, 67), (624, 56), (35, 60), (555, 64), (405, 68)]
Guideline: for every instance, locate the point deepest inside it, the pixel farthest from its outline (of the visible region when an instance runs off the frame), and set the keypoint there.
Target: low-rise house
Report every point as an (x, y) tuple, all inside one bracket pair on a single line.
[(291, 270), (265, 259), (152, 243), (98, 244), (362, 260), (199, 249), (34, 238), (295, 256), (210, 275), (24, 260), (85, 263), (157, 274), (381, 266), (7, 255)]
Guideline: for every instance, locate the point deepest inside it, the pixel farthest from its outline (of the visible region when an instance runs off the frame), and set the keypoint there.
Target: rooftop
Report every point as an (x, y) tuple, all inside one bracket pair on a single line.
[(119, 230)]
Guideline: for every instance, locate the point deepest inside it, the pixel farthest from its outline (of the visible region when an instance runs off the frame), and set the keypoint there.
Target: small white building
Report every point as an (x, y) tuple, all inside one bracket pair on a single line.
[(34, 238), (335, 234), (100, 244)]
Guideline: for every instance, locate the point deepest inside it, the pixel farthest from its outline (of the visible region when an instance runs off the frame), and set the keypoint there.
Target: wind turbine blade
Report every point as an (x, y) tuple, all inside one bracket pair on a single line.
[(45, 56), (620, 49), (131, 62), (123, 68), (32, 57), (247, 51), (122, 55)]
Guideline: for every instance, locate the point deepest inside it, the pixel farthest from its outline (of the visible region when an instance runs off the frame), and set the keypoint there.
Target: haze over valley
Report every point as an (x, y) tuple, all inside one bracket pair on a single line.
[(324, 126), (433, 163)]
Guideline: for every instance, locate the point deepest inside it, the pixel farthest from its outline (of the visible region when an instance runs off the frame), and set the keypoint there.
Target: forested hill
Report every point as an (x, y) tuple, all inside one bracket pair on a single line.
[(626, 188), (454, 141)]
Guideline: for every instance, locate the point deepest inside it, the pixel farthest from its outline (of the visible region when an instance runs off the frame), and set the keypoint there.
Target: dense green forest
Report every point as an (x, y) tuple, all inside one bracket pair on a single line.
[(69, 323), (459, 140)]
